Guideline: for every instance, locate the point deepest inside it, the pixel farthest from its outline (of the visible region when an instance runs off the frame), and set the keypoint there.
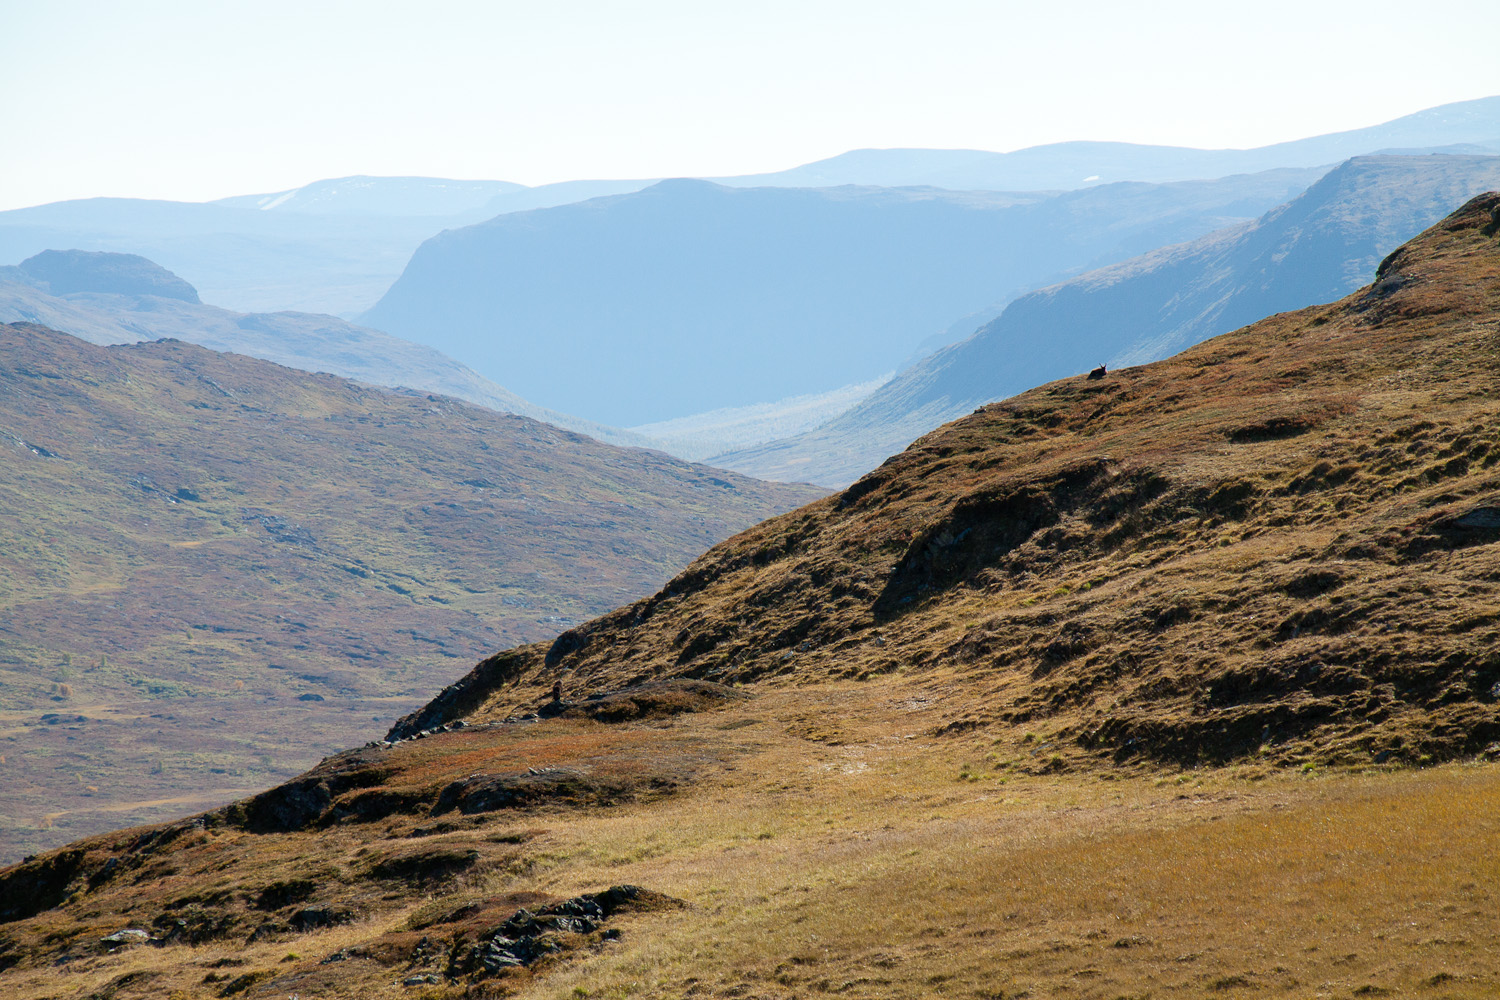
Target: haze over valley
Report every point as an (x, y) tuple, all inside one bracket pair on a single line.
[(651, 304), (800, 335), (724, 502)]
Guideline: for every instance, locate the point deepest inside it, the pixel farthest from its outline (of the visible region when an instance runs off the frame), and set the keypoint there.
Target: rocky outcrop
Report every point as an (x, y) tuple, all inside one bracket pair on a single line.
[(530, 935)]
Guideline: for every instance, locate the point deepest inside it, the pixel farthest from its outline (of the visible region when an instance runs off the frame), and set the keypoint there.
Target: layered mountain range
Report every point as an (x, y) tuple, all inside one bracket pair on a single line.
[(692, 296), (336, 245), (1324, 243), (110, 298), (1463, 127), (1125, 684)]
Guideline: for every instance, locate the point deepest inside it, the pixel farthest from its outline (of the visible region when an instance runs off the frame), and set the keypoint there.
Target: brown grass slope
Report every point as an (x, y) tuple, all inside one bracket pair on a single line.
[(1278, 543), (823, 841), (214, 570)]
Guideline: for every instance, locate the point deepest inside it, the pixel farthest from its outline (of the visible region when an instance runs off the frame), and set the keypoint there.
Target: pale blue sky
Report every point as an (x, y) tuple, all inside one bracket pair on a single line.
[(196, 100)]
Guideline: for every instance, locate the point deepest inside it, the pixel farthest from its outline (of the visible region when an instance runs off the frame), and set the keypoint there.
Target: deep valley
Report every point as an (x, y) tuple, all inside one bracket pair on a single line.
[(1179, 681)]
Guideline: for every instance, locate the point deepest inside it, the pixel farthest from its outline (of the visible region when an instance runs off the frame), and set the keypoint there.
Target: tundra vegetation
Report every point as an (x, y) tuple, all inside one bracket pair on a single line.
[(215, 570), (1175, 682)]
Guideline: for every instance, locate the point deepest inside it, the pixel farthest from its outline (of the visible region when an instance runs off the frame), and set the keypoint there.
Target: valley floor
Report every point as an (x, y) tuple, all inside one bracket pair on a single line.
[(824, 840)]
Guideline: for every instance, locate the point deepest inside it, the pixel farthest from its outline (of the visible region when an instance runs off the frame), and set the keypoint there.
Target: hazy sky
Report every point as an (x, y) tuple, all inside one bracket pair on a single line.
[(197, 100)]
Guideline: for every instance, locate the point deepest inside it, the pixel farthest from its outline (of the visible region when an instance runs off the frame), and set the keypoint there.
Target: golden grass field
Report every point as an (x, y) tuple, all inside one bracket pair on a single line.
[(889, 863)]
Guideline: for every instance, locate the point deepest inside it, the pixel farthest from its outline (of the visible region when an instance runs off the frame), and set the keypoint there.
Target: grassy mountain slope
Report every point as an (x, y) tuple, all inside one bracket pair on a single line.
[(309, 341), (1198, 559), (691, 296), (215, 569), (1124, 687), (1321, 245)]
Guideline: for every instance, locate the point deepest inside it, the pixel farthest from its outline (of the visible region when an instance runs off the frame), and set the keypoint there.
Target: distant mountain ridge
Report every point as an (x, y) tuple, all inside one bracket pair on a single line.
[(103, 308), (1064, 165), (63, 271), (336, 245), (410, 196), (243, 258), (1473, 124), (691, 296), (1321, 245)]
